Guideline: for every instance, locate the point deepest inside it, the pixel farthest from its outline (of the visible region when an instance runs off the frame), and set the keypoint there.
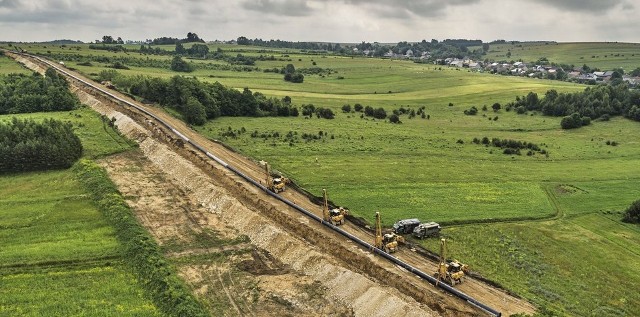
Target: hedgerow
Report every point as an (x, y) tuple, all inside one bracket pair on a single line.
[(153, 272)]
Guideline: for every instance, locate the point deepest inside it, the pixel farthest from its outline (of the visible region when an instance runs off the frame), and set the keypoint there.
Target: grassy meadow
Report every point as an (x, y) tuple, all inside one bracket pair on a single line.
[(544, 226), (605, 56), (58, 254)]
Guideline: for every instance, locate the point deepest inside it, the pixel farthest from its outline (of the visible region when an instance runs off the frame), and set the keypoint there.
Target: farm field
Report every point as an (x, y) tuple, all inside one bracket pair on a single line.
[(605, 56), (58, 254), (546, 227)]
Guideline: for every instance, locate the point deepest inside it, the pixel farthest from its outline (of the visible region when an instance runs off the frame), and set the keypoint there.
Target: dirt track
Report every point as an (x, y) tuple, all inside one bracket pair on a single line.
[(342, 253)]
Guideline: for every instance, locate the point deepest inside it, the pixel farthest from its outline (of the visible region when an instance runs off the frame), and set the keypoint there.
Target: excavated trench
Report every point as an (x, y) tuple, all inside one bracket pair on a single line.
[(350, 273)]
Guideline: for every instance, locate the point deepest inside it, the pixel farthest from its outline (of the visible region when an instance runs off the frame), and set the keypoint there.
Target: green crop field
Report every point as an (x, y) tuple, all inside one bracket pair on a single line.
[(605, 56), (544, 226)]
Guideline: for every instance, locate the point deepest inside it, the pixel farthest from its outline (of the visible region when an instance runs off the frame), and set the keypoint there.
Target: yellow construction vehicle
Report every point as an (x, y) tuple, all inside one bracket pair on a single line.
[(336, 215), (275, 184), (452, 272), (388, 241)]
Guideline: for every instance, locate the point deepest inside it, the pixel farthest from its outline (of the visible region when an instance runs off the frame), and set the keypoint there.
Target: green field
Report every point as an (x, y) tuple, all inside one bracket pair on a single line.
[(58, 254), (9, 66), (546, 227), (605, 56)]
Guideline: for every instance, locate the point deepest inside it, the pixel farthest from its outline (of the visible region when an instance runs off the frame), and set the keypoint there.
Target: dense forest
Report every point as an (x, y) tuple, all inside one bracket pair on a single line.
[(198, 101), (35, 93), (579, 108), (26, 145)]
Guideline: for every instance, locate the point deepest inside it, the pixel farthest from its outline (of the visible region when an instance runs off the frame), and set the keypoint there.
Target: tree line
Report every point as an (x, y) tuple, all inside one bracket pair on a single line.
[(34, 93), (28, 145), (579, 108), (198, 101)]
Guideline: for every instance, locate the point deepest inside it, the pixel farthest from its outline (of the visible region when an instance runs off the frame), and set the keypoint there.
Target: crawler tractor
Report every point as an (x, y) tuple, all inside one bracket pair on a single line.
[(452, 272), (387, 242), (335, 216), (275, 184)]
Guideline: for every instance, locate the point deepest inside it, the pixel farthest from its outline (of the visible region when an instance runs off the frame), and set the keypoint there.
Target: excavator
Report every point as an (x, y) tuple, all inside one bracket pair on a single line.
[(387, 242), (336, 215), (275, 184), (450, 272)]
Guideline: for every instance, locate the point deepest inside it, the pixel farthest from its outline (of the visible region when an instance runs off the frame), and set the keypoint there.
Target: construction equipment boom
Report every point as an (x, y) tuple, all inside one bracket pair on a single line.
[(450, 272), (277, 184), (387, 242), (336, 215)]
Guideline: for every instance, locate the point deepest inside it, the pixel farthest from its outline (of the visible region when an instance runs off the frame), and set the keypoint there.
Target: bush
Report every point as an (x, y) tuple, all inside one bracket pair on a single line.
[(368, 111), (294, 77), (194, 112), (380, 113), (346, 108), (632, 214), (29, 146), (394, 118), (325, 113), (357, 107), (574, 121), (179, 65), (471, 111)]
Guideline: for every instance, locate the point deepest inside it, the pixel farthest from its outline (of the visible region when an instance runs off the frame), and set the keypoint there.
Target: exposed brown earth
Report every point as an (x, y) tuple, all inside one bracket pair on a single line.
[(217, 203)]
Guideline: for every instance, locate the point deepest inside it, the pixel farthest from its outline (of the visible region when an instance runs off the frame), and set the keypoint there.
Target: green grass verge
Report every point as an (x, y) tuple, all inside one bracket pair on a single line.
[(141, 251)]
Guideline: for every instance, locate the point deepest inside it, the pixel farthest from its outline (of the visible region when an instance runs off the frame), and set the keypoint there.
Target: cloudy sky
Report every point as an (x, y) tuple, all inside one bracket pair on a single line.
[(323, 20)]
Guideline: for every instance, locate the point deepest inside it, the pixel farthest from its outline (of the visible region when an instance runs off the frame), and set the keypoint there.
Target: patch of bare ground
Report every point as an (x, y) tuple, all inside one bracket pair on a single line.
[(228, 274)]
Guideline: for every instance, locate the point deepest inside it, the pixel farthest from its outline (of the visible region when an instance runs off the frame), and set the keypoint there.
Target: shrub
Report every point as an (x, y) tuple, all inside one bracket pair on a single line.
[(471, 111), (194, 112), (179, 65), (357, 107), (632, 214), (394, 118), (380, 113), (346, 108)]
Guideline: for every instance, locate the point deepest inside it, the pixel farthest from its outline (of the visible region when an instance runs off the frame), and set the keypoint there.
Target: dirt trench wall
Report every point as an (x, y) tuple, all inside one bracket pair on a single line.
[(365, 296)]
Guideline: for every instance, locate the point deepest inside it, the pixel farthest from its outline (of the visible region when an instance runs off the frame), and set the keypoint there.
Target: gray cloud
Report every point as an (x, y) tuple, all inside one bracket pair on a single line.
[(322, 20), (9, 4), (407, 8), (295, 8), (594, 6)]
